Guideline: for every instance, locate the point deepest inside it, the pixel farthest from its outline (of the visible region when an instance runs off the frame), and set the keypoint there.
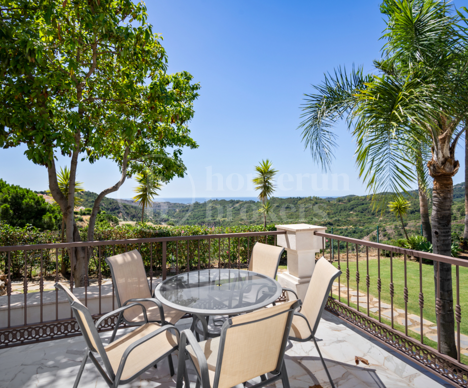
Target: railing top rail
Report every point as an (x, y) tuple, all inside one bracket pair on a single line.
[(136, 241), (402, 251)]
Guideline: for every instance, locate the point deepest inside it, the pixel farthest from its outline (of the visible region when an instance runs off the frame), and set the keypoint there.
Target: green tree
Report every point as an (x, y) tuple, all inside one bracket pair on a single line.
[(400, 207), (264, 183), (87, 79), (419, 98), (147, 189), (20, 207)]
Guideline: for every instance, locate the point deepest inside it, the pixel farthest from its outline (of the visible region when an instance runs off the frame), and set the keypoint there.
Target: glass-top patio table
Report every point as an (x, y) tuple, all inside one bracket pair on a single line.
[(213, 292)]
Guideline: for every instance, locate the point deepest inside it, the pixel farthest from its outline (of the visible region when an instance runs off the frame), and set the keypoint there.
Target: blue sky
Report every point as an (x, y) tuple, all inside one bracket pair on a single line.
[(254, 61)]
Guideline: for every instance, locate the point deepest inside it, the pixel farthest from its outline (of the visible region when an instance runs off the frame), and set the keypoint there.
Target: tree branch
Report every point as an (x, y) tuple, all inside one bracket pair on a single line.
[(100, 197)]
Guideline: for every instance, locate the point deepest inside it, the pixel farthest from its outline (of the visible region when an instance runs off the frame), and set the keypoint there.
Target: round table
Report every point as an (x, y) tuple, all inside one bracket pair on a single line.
[(212, 292)]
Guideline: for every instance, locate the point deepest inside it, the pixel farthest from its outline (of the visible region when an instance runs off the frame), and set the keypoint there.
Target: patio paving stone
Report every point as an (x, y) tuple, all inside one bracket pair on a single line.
[(55, 364)]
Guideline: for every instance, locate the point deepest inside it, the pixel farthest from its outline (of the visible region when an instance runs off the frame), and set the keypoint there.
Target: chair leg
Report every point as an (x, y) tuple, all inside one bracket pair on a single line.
[(80, 372), (284, 376), (323, 363), (181, 372), (171, 365), (186, 378)]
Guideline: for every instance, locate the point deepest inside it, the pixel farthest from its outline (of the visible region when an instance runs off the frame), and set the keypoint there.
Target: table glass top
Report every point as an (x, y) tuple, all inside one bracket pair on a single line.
[(218, 291)]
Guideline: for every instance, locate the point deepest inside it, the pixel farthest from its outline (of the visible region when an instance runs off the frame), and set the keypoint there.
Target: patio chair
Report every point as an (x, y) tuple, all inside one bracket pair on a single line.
[(265, 259), (130, 355), (131, 285), (305, 323), (250, 345)]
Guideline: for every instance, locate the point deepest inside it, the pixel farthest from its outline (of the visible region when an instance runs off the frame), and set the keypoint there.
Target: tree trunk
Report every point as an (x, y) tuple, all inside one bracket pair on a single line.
[(142, 212), (403, 226), (64, 264), (423, 200), (465, 232), (442, 167), (424, 211), (441, 241)]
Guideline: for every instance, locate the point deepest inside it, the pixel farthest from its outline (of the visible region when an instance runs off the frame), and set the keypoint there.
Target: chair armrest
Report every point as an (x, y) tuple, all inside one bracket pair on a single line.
[(153, 300), (121, 310), (307, 321), (188, 337), (289, 290), (141, 341)]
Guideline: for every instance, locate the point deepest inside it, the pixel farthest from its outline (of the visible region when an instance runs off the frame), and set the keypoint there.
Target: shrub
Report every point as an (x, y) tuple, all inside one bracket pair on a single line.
[(223, 252), (20, 207), (28, 235)]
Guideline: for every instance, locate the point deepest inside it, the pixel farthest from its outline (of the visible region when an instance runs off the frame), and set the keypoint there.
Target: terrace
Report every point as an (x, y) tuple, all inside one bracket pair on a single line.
[(372, 320)]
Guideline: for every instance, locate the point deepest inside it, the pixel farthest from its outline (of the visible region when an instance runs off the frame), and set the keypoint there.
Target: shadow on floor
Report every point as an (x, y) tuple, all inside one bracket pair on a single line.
[(308, 371)]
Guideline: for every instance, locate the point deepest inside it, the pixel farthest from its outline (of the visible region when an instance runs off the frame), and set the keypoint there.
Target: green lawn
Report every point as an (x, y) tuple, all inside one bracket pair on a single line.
[(399, 284)]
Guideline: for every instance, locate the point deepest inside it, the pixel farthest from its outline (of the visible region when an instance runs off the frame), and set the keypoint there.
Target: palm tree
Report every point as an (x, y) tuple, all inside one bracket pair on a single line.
[(337, 99), (400, 208), (148, 188), (265, 209), (419, 99), (265, 184)]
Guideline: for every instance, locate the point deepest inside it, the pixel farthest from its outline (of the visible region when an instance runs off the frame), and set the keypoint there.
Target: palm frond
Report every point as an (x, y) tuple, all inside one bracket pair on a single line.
[(419, 31), (148, 188), (264, 181), (333, 101)]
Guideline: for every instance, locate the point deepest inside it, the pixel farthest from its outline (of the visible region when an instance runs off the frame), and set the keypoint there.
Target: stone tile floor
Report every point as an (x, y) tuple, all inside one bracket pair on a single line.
[(56, 363)]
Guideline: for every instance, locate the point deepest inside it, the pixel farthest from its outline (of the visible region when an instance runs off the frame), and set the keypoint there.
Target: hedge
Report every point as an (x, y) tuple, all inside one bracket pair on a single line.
[(181, 254)]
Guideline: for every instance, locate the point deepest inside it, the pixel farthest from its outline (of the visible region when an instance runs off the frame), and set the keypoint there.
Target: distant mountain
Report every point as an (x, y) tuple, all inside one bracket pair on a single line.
[(121, 209), (356, 214)]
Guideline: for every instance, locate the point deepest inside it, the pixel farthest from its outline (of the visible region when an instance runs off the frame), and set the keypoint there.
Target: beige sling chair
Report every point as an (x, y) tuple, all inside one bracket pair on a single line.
[(265, 260), (130, 355), (131, 285), (305, 323), (250, 345)]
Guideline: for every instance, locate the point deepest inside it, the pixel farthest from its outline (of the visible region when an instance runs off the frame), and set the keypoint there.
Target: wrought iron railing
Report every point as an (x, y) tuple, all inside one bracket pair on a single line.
[(41, 309), (407, 274), (32, 266)]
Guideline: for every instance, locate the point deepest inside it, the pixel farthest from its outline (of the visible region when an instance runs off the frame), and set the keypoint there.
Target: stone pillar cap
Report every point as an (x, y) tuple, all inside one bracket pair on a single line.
[(300, 227)]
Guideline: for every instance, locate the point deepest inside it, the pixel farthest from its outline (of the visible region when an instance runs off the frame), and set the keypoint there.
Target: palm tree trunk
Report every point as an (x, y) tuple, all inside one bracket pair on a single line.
[(424, 210), (142, 212), (403, 226), (465, 232), (423, 200), (441, 240)]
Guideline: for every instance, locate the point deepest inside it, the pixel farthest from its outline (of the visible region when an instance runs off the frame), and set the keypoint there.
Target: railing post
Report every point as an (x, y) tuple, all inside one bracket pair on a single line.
[(302, 245), (164, 260)]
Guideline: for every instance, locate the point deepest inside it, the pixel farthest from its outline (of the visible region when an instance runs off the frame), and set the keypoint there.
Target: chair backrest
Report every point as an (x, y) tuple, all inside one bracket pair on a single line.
[(265, 259), (317, 294), (253, 344), (130, 281), (86, 323)]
